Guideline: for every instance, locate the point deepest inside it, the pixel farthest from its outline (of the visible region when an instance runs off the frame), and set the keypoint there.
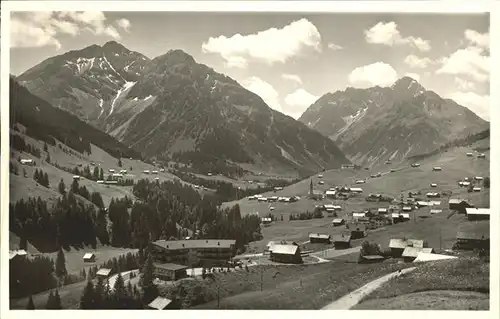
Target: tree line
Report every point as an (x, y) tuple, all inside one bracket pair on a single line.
[(18, 143), (41, 178)]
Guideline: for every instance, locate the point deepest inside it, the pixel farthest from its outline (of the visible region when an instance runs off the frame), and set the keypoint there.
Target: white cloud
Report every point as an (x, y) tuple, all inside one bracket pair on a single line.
[(415, 62), (469, 62), (299, 101), (414, 76), (334, 47), (478, 104), (265, 90), (292, 77), (479, 39), (464, 85), (39, 29), (271, 45), (378, 73), (388, 34), (124, 24)]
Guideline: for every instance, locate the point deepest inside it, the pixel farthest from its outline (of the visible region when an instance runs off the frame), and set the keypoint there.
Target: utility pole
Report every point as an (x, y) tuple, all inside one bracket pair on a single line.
[(218, 296), (440, 240), (261, 278)]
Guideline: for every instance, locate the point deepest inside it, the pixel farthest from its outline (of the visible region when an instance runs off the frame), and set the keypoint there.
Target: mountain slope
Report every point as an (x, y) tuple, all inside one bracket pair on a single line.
[(85, 82), (179, 108), (47, 123), (392, 123)]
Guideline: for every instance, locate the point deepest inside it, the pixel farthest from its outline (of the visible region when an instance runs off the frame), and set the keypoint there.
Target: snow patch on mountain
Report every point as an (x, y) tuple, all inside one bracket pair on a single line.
[(127, 86), (100, 105)]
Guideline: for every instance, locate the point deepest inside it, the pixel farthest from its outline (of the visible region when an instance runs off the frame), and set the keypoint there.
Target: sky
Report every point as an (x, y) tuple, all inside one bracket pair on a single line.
[(288, 59)]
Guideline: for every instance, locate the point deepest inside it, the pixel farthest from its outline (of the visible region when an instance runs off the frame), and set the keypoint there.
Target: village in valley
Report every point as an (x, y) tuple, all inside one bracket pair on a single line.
[(114, 207)]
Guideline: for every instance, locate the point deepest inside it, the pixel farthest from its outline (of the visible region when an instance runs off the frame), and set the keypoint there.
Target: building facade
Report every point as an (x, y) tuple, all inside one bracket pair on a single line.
[(193, 253)]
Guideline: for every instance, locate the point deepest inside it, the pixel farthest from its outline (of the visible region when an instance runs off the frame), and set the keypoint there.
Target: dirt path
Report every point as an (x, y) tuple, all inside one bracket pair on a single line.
[(350, 300)]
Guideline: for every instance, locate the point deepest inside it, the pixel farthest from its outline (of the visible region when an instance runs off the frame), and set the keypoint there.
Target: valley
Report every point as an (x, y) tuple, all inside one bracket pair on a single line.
[(170, 170)]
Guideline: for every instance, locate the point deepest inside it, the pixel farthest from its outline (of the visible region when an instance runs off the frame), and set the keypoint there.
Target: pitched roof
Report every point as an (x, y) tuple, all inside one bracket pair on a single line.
[(423, 256), (321, 236), (194, 244), (88, 255), (160, 303), (14, 253), (477, 211), (337, 220), (473, 235), (436, 211), (372, 257), (401, 243), (414, 251), (170, 266), (103, 272), (455, 201), (358, 214), (356, 226), (285, 249), (343, 238)]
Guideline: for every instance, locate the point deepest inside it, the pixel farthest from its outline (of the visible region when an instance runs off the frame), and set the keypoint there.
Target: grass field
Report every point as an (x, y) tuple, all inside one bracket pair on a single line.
[(439, 231), (74, 257), (21, 187), (467, 278), (70, 297), (292, 287)]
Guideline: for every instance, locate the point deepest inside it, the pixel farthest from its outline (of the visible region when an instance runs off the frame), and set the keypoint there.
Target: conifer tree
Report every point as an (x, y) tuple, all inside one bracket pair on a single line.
[(45, 180), (61, 271), (99, 292), (62, 187), (57, 301), (149, 289), (50, 301), (87, 299), (31, 305), (101, 175)]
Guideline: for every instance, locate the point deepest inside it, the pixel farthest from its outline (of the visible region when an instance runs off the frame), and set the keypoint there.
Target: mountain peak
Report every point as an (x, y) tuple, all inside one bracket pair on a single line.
[(405, 82), (178, 55), (407, 85), (113, 46)]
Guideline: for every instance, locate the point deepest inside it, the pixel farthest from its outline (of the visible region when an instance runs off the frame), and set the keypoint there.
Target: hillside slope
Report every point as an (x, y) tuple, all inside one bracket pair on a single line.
[(47, 123), (455, 163), (391, 123)]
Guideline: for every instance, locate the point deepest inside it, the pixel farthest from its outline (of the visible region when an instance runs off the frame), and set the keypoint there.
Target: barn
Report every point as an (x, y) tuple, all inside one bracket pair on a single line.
[(357, 230), (342, 241), (330, 194), (473, 239), (319, 238), (382, 210), (410, 253), (371, 259), (169, 271), (103, 273), (27, 162), (398, 245), (478, 213), (89, 257), (338, 222), (286, 254), (459, 205), (161, 303)]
